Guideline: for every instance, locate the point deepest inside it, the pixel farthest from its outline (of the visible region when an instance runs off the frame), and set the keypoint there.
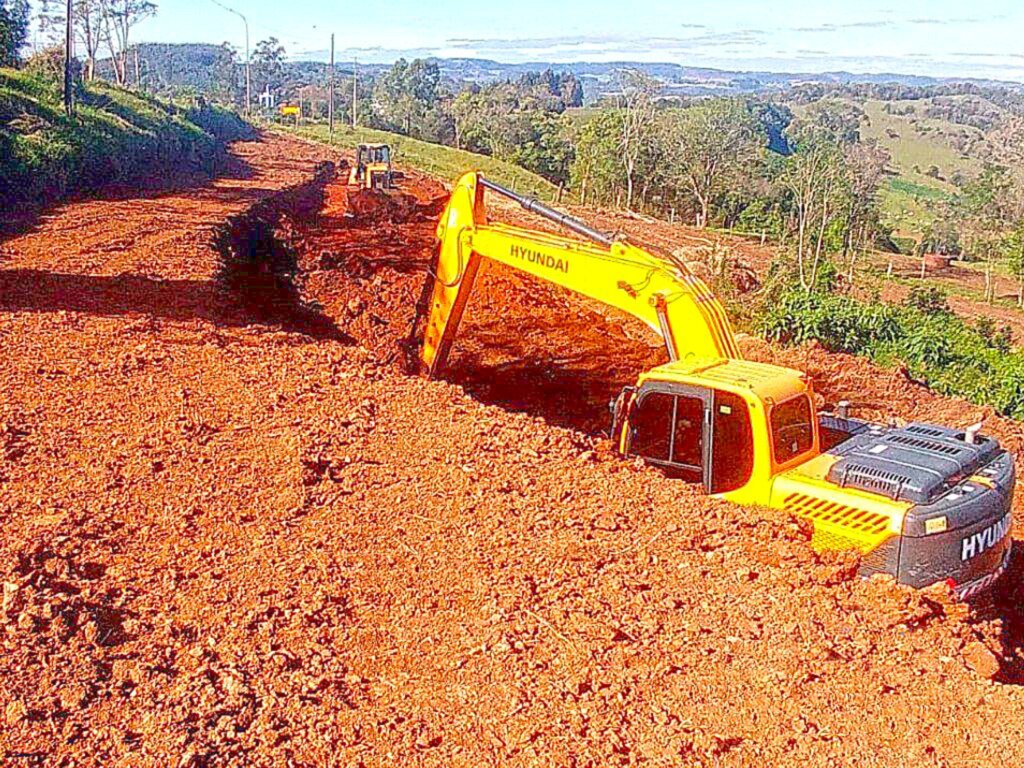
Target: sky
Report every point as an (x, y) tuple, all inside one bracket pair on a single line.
[(942, 38)]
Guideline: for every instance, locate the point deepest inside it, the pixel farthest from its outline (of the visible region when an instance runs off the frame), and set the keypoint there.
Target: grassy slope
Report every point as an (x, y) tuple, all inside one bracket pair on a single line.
[(922, 145), (914, 140), (904, 200), (114, 135), (443, 162)]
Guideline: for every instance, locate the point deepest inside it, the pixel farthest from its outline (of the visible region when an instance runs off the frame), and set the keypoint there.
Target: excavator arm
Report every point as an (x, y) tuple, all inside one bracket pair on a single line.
[(657, 289)]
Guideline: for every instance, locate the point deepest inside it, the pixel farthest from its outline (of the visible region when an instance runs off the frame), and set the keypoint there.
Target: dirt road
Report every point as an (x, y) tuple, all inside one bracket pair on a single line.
[(235, 532)]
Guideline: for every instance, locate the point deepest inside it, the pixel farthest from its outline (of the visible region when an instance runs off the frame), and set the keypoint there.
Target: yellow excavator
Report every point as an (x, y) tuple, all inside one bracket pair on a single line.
[(921, 502)]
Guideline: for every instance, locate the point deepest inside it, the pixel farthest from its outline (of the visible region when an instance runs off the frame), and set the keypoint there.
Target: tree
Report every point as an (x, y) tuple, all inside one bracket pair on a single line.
[(1013, 250), (408, 99), (88, 32), (544, 148), (119, 17), (268, 64), (596, 172), (14, 20), (839, 120), (225, 72), (636, 100), (710, 144), (865, 165), (560, 90), (985, 209), (814, 175)]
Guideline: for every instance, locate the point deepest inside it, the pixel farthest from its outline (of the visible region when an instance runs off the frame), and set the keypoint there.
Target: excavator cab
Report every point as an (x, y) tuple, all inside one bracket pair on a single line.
[(372, 169), (698, 422), (699, 435), (924, 503)]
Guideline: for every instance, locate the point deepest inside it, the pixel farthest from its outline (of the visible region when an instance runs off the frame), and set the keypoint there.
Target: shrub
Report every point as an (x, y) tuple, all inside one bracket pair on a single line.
[(928, 300), (1000, 338), (904, 245), (762, 216), (114, 135), (47, 65), (973, 361), (837, 322)]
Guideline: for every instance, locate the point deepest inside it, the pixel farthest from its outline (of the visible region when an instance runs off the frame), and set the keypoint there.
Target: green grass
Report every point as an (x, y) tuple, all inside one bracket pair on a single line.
[(922, 145), (446, 163), (905, 206), (115, 134), (914, 149), (917, 191)]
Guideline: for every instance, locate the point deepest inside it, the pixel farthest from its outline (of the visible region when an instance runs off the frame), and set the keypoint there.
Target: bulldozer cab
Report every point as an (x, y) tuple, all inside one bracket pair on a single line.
[(372, 169), (373, 154)]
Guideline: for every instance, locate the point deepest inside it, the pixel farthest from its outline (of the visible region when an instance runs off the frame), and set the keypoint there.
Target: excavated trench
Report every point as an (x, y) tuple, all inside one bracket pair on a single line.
[(259, 258)]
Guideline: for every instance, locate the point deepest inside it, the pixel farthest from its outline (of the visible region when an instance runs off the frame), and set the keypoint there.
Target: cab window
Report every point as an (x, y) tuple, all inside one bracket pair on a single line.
[(732, 446), (668, 430), (792, 430), (652, 423), (688, 446)]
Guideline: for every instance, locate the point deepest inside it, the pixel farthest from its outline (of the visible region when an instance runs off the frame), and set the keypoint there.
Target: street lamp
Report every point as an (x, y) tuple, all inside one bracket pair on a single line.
[(248, 80)]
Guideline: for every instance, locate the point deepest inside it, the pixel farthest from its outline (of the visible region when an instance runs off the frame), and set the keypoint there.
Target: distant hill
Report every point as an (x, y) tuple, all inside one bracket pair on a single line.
[(202, 67), (677, 78), (937, 136)]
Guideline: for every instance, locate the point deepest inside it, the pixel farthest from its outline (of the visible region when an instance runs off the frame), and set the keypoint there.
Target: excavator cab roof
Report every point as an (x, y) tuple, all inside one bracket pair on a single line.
[(769, 383)]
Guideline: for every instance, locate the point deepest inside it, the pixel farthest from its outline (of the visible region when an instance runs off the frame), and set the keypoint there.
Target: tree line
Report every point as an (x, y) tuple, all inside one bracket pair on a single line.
[(101, 27), (746, 163)]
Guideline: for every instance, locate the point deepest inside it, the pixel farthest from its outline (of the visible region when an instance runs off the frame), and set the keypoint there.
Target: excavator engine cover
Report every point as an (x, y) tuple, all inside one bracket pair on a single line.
[(959, 527), (915, 463)]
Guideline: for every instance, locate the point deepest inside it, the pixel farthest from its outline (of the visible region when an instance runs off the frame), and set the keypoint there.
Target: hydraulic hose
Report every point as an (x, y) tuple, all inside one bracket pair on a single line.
[(562, 219)]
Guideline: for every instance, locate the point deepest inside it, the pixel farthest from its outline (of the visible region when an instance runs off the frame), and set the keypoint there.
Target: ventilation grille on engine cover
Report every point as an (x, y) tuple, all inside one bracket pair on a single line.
[(869, 478), (924, 429), (923, 444), (859, 529)]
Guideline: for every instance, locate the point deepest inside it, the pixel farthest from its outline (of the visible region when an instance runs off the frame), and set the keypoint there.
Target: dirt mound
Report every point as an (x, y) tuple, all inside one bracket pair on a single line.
[(266, 546), (391, 205)]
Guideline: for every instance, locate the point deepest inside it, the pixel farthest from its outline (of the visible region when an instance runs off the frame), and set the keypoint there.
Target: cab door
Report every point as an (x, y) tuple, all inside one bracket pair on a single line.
[(670, 427)]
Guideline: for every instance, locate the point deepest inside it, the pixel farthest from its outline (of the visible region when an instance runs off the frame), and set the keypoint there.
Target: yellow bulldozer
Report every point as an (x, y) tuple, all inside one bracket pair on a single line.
[(921, 502), (372, 168)]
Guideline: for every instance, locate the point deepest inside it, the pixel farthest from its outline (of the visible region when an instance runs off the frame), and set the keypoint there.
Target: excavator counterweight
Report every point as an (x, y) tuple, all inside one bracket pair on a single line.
[(923, 503)]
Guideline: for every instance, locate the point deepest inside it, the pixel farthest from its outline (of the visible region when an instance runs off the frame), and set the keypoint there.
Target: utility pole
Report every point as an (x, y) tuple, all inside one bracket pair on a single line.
[(69, 59), (330, 100), (355, 79), (248, 80)]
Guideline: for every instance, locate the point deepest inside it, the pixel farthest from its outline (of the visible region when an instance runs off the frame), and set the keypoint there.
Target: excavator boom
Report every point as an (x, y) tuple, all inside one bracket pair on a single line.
[(657, 289)]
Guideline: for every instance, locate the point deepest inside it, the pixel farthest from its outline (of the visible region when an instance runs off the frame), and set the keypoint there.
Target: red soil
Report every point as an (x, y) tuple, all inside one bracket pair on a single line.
[(237, 533)]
